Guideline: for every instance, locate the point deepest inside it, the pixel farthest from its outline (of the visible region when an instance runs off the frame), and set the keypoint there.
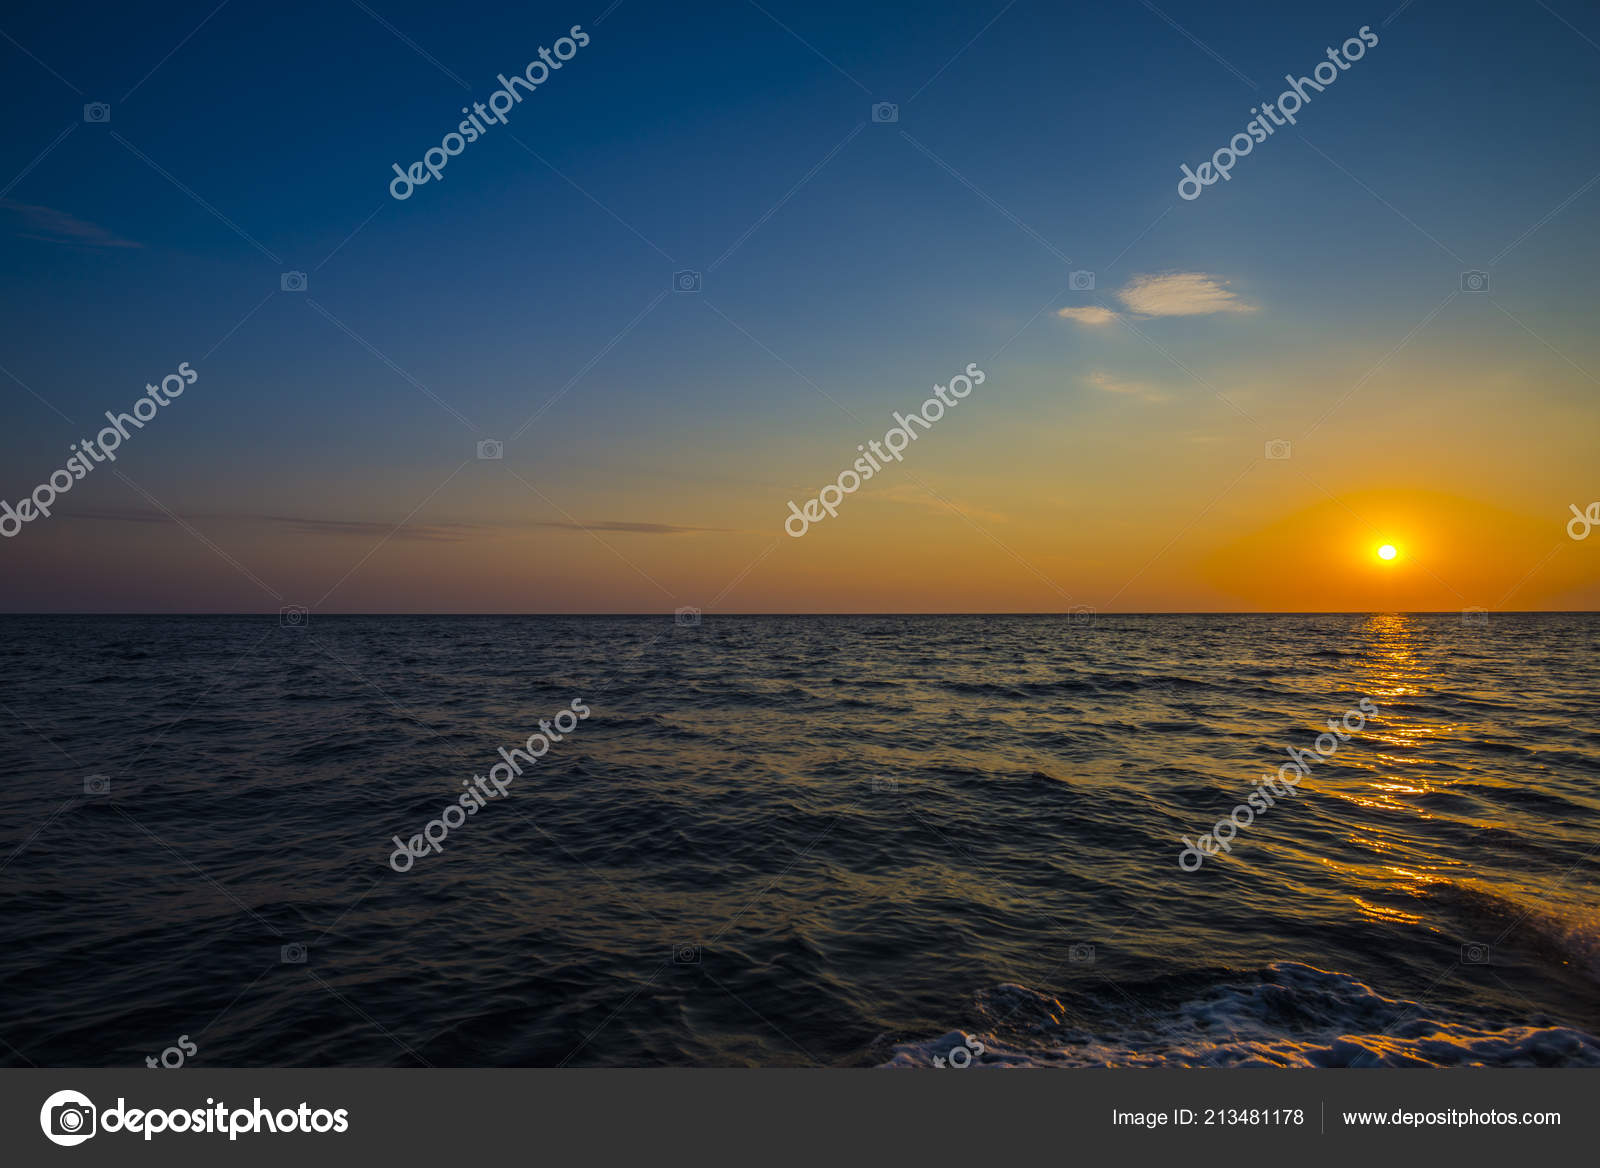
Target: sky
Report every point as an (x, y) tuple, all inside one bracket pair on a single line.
[(865, 202)]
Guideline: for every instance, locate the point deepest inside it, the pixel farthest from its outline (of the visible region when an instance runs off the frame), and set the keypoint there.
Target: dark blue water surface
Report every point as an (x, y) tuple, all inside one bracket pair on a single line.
[(799, 840)]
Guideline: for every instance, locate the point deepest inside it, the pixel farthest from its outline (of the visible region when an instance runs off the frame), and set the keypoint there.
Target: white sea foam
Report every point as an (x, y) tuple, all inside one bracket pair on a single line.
[(1295, 1016)]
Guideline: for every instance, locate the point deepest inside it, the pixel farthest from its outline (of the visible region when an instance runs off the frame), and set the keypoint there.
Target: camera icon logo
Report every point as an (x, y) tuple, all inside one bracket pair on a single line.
[(1475, 954), (685, 954), (1278, 448), (884, 112), (685, 617), (97, 113), (294, 616), (68, 1118), (1474, 281), (1081, 955), (884, 786), (687, 280), (1081, 281), (293, 953), (491, 448), (1081, 615), (97, 785), (1475, 616), (292, 281)]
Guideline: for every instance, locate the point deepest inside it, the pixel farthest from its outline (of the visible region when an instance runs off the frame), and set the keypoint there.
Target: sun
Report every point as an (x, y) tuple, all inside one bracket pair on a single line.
[(1387, 552)]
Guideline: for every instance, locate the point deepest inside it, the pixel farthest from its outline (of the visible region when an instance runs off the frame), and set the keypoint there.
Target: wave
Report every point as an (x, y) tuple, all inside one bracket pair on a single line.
[(1567, 934), (1291, 1015)]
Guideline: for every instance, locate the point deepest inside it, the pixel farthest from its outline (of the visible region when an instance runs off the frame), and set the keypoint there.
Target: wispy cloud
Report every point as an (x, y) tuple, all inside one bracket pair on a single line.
[(1089, 314), (634, 528), (116, 515), (51, 226), (911, 495), (1165, 294), (300, 524), (434, 532), (1181, 294), (1106, 383)]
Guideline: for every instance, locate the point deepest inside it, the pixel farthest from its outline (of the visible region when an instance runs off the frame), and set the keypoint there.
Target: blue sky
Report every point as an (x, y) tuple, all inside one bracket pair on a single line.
[(666, 140)]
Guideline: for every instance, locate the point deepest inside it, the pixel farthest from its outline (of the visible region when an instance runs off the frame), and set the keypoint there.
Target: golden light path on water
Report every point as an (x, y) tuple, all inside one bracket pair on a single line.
[(1400, 775), (1416, 791)]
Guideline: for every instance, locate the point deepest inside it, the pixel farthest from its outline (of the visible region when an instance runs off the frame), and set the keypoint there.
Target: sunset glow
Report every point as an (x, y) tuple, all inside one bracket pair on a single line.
[(925, 537)]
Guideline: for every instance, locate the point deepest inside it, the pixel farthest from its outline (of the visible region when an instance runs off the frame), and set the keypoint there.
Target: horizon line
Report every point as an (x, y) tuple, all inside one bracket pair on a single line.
[(1032, 613)]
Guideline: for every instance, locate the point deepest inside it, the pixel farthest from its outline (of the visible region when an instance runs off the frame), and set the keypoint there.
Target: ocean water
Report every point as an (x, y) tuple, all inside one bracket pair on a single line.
[(841, 841)]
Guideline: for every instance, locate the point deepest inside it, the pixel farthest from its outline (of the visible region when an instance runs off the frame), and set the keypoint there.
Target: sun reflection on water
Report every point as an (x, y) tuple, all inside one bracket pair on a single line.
[(1400, 774)]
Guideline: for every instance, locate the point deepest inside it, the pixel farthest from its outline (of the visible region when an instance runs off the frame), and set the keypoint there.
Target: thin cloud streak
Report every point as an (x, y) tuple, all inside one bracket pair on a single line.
[(432, 532)]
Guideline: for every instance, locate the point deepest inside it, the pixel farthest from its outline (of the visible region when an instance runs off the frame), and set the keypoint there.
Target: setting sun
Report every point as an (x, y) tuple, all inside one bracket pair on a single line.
[(1387, 552)]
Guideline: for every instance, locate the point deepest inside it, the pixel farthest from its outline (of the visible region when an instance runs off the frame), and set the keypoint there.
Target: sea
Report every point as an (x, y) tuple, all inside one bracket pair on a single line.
[(842, 841)]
